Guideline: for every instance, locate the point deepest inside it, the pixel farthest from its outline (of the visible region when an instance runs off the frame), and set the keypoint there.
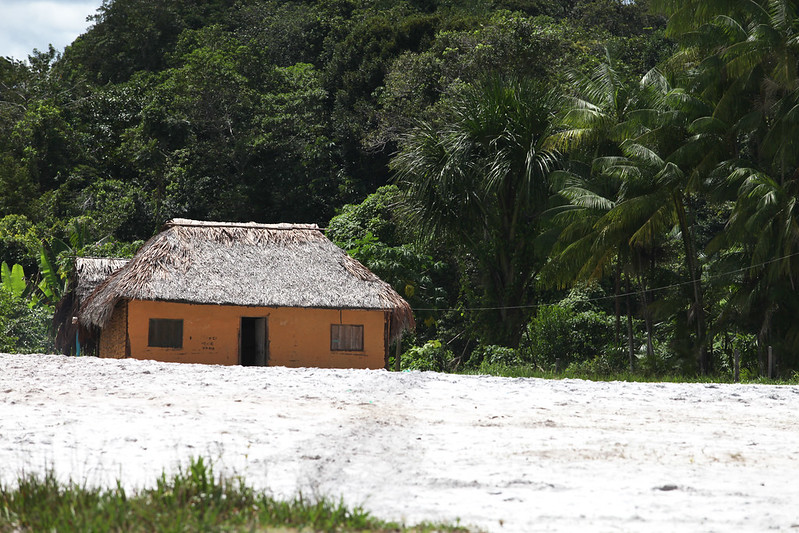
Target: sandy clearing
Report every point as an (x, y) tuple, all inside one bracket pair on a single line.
[(501, 454)]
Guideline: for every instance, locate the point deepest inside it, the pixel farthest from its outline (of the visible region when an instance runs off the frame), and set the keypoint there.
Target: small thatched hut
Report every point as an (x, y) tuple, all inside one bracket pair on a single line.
[(89, 272), (250, 294)]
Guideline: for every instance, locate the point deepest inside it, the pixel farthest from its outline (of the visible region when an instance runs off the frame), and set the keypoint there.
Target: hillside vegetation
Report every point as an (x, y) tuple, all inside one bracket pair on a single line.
[(601, 185)]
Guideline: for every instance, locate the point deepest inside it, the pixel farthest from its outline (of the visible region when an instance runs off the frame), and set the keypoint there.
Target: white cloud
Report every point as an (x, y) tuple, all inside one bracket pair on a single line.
[(25, 25)]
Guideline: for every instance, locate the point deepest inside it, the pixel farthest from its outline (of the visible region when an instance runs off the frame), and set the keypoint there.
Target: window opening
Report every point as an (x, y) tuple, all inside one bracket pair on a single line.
[(346, 337), (165, 333)]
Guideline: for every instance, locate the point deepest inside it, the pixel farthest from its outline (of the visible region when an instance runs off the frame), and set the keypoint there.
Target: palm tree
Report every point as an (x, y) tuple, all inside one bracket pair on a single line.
[(764, 229), (654, 167), (595, 121), (598, 117), (747, 60), (590, 244), (686, 16), (481, 182)]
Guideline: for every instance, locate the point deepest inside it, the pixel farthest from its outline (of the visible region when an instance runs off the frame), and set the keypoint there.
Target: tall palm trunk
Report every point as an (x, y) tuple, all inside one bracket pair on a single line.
[(696, 284), (650, 347), (630, 339), (617, 304)]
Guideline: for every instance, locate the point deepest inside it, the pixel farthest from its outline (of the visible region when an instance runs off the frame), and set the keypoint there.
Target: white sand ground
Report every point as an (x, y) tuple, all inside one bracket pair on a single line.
[(499, 454)]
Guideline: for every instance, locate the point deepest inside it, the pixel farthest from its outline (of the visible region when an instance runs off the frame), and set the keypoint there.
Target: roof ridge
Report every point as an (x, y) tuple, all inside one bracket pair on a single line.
[(185, 222)]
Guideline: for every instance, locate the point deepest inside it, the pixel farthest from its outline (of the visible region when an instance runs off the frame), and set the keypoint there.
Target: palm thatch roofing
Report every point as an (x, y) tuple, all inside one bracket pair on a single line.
[(89, 272), (254, 265)]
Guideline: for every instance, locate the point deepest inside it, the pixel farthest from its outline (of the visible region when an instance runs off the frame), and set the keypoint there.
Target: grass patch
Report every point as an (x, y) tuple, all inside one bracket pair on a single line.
[(529, 371), (192, 500)]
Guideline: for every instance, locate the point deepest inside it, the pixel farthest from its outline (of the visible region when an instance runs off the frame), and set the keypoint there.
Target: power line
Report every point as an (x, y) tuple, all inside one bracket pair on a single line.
[(620, 295)]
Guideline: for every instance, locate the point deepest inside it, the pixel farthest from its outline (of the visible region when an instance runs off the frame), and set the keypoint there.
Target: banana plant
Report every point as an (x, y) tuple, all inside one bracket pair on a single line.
[(13, 279), (53, 282), (54, 261)]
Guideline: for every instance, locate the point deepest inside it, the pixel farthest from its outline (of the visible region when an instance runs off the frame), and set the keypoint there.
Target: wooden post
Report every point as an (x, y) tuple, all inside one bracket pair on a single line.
[(397, 354), (736, 360), (770, 363)]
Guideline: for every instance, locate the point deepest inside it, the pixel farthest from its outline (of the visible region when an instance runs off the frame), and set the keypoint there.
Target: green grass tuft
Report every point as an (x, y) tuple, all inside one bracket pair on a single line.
[(192, 500)]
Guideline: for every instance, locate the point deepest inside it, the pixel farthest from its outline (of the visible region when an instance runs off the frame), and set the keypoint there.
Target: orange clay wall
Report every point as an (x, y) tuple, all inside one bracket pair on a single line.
[(297, 337)]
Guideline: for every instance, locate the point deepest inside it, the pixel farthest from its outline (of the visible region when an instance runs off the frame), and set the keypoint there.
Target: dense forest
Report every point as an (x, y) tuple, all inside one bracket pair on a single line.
[(594, 186)]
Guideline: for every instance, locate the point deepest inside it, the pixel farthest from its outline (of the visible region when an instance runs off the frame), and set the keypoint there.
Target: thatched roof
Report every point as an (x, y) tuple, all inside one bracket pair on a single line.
[(88, 274), (91, 271), (259, 265)]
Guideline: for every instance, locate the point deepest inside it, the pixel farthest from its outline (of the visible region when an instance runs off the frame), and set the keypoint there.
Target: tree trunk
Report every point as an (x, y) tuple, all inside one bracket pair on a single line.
[(650, 348), (630, 340), (696, 284), (617, 303)]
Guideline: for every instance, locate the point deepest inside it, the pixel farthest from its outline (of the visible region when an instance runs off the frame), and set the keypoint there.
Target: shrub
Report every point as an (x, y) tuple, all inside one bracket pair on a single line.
[(560, 332), (664, 361), (24, 328), (611, 361), (432, 356), (492, 354)]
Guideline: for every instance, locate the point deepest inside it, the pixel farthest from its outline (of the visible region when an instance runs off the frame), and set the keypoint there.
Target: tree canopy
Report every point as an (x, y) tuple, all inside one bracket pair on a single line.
[(623, 161)]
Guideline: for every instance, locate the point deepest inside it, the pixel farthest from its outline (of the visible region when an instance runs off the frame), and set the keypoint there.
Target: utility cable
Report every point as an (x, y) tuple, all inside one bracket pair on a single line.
[(620, 295)]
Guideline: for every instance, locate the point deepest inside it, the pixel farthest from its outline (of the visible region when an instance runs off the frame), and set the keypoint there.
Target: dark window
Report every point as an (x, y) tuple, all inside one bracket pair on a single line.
[(165, 333), (346, 337)]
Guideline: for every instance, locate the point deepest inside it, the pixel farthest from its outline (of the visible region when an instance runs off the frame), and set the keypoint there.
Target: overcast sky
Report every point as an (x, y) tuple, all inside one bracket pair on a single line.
[(29, 24)]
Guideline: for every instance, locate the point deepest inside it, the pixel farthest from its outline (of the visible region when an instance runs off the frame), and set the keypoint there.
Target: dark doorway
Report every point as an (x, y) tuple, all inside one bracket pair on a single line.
[(254, 342)]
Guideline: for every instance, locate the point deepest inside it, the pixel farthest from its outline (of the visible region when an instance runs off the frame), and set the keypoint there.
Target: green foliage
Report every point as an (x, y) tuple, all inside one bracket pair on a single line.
[(617, 17), (375, 215), (24, 324), (422, 85), (369, 233), (530, 371), (413, 274), (432, 356), (54, 277), (115, 208), (609, 362), (724, 349), (17, 186), (283, 111), (194, 499), (225, 136), (663, 361), (19, 241), (57, 256), (258, 110), (561, 333), (130, 36), (481, 184), (289, 32), (490, 355), (13, 279)]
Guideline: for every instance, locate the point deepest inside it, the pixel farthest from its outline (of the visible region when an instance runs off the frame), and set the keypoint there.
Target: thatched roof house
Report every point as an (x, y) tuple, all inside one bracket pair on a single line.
[(222, 281), (89, 272)]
